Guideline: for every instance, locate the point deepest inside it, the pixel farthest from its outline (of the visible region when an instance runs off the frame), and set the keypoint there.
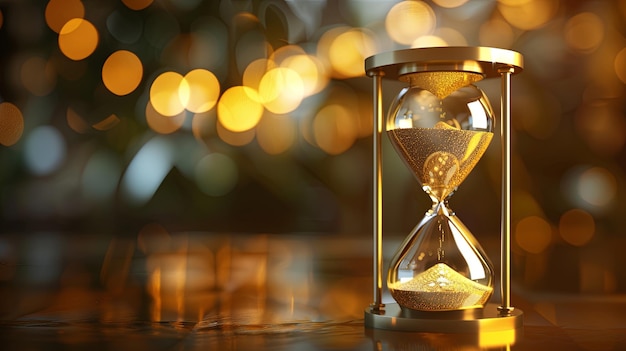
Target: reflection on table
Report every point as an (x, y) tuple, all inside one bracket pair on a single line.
[(185, 291)]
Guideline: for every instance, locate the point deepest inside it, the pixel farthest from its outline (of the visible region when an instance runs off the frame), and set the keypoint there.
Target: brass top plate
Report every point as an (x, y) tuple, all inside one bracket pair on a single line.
[(484, 60)]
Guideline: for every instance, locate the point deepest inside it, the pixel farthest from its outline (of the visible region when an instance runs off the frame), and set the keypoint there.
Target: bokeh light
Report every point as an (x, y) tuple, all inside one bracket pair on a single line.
[(276, 134), (597, 187), (311, 71), (602, 126), (528, 14), (78, 39), (450, 3), (620, 65), (281, 90), (451, 36), (204, 90), (533, 234), (348, 51), (577, 227), (496, 33), (76, 122), (137, 4), (239, 109), (122, 72), (425, 41), (255, 71), (234, 138), (584, 32), (165, 96), (147, 170), (592, 188), (45, 150), (107, 123), (334, 129), (38, 76), (203, 125), (59, 12), (408, 20), (11, 124), (163, 124)]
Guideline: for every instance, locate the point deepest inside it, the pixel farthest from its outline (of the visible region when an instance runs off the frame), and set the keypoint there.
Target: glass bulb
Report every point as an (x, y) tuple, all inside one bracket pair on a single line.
[(440, 128)]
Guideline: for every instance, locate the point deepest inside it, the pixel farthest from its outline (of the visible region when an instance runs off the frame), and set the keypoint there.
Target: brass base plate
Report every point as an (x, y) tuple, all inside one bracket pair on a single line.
[(477, 320)]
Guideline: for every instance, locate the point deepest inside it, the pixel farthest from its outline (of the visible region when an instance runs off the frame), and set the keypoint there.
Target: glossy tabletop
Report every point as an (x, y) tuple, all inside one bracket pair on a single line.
[(213, 291)]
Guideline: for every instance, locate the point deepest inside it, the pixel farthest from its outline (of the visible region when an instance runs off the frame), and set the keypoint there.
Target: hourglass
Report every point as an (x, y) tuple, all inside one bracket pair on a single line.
[(440, 125)]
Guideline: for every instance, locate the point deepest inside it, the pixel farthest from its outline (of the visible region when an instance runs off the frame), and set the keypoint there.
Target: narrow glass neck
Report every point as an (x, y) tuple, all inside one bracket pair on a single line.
[(440, 207)]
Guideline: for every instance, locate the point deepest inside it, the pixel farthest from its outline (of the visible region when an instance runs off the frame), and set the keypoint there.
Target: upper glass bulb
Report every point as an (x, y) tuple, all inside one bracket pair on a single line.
[(441, 132)]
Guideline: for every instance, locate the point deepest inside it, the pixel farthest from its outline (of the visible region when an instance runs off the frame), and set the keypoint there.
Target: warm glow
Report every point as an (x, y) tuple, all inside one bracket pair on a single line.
[(11, 124), (78, 39), (584, 32), (107, 123), (533, 234), (276, 134), (255, 71), (59, 12), (38, 76), (204, 90), (154, 289), (285, 52), (602, 126), (235, 138), (597, 187), (163, 124), (408, 20), (450, 3), (239, 109), (116, 265), (528, 14), (153, 237), (76, 122), (426, 41), (451, 36), (281, 90), (122, 72), (620, 65), (311, 72), (137, 4), (164, 94), (203, 124), (334, 129), (348, 51), (496, 33), (577, 227)]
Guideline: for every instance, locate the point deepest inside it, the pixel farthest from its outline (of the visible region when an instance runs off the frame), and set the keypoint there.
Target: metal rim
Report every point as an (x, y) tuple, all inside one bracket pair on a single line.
[(485, 60)]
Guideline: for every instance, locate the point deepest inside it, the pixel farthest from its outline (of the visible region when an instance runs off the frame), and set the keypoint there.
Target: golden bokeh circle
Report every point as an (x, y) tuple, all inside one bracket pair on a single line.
[(122, 72), (78, 39), (11, 124)]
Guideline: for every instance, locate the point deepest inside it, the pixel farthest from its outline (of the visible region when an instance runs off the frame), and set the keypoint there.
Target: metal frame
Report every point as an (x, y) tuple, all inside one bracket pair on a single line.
[(490, 62)]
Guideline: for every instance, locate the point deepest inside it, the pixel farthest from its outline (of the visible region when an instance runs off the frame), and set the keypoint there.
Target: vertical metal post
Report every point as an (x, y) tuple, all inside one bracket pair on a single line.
[(378, 305), (505, 266)]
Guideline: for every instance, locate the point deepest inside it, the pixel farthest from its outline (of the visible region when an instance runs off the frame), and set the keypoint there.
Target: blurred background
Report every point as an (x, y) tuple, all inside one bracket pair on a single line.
[(125, 122)]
